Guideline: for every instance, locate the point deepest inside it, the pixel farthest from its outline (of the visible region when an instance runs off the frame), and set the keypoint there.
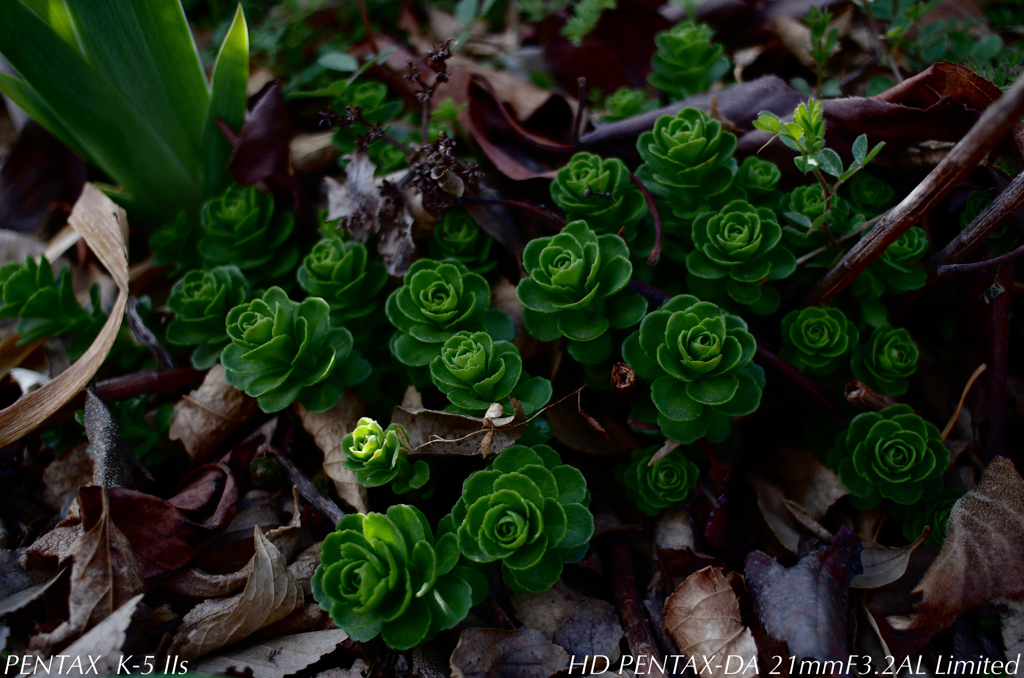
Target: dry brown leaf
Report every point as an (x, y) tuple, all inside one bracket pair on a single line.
[(545, 611), (357, 670), (13, 577), (1013, 626), (103, 643), (15, 602), (808, 482), (674, 530), (453, 433), (523, 653), (304, 566), (207, 416), (884, 565), (274, 658), (65, 475), (57, 543), (982, 557), (804, 518), (104, 576), (772, 503), (703, 618), (310, 617), (102, 224), (327, 429), (270, 594)]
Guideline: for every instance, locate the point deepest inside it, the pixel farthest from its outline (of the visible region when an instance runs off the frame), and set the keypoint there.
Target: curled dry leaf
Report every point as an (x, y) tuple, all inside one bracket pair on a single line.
[(270, 594), (583, 626), (808, 482), (65, 474), (103, 643), (772, 503), (100, 222), (805, 605), (104, 576), (703, 618), (1013, 625), (572, 430), (18, 600), (276, 657), (884, 565), (207, 416), (327, 429), (55, 544), (437, 432), (982, 557), (524, 653)]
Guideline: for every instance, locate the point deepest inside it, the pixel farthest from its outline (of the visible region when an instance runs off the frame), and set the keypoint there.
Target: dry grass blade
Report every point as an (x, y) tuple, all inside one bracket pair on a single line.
[(963, 396), (276, 657), (102, 224)]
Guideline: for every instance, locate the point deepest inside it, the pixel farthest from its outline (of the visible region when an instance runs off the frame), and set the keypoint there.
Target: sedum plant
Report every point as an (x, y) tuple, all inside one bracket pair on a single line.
[(892, 454), (816, 339), (46, 306), (282, 351), (201, 301), (670, 481), (687, 62), (474, 371), (600, 192), (386, 574), (343, 274), (869, 194), (759, 180), (130, 95), (458, 237), (699, 360), (381, 456), (242, 228), (735, 251), (895, 267), (528, 511), (886, 360), (436, 300), (932, 511), (687, 161), (576, 290), (625, 103)]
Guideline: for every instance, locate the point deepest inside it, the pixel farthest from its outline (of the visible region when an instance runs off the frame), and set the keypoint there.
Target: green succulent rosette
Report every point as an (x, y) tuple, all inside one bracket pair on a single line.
[(47, 306), (201, 301), (688, 161), (670, 481), (474, 371), (458, 237), (600, 192), (687, 62), (932, 511), (528, 511), (806, 215), (242, 228), (625, 103), (886, 360), (386, 574), (174, 245), (343, 274), (735, 251), (699, 360), (436, 300), (380, 456), (576, 290), (892, 454), (282, 351), (894, 271), (869, 194), (816, 339), (758, 179)]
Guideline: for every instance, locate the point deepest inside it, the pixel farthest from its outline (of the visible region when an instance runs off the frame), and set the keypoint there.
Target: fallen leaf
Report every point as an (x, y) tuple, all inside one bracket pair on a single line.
[(437, 432), (572, 430), (1013, 626), (884, 565), (805, 605), (103, 643), (262, 146), (357, 670), (104, 576), (310, 617), (55, 544), (270, 594), (207, 416), (982, 557), (583, 626), (523, 653), (18, 600), (114, 463), (780, 520), (13, 577), (304, 567), (274, 658), (327, 429), (65, 474), (703, 618), (807, 482), (674, 530)]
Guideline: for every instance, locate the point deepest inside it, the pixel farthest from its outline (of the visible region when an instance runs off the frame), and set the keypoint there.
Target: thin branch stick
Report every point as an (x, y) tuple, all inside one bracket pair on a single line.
[(296, 477), (550, 216), (991, 218), (631, 608), (980, 265), (655, 256), (581, 111), (860, 229), (997, 121), (365, 16), (963, 396)]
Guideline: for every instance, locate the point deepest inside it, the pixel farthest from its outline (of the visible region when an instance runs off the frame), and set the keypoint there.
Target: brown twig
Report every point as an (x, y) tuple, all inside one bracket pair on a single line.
[(994, 124), (797, 379), (1000, 338), (655, 256), (129, 386), (365, 16), (631, 607), (963, 396), (145, 336), (649, 292), (980, 265), (855, 232), (863, 397), (296, 477)]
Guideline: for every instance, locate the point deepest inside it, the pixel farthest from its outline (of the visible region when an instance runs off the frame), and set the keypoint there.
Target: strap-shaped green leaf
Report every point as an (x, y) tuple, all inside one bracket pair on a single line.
[(227, 102), (25, 97)]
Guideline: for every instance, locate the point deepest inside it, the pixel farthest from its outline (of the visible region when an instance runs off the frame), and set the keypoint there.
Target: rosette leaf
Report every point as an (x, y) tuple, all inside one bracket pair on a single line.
[(886, 360), (242, 228), (699, 359), (437, 299), (386, 574), (758, 179), (282, 350), (458, 237), (201, 301), (932, 511), (576, 289), (474, 371), (869, 194), (343, 274), (816, 339), (892, 454), (600, 192), (735, 250), (687, 62), (895, 265), (47, 306), (380, 456), (527, 511), (625, 103), (670, 481), (806, 216), (688, 161)]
